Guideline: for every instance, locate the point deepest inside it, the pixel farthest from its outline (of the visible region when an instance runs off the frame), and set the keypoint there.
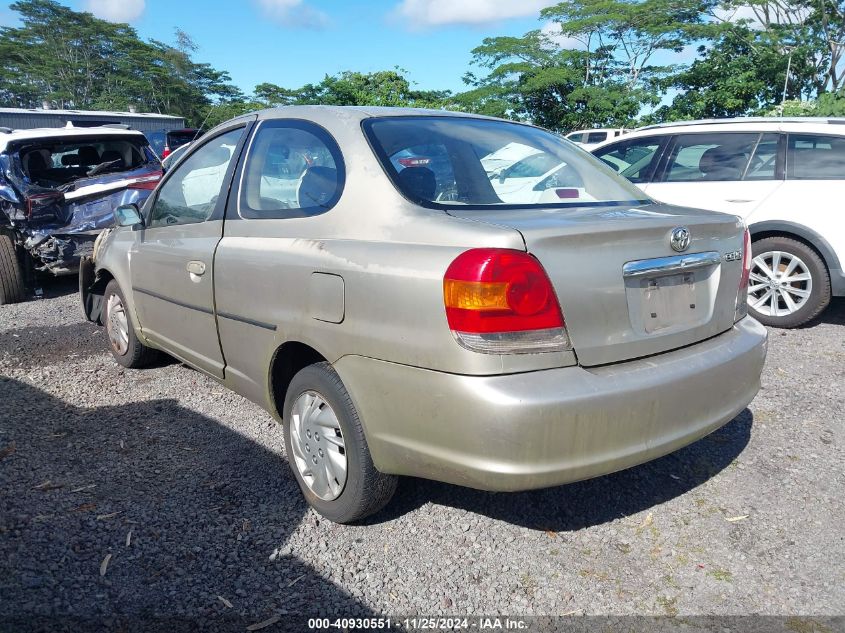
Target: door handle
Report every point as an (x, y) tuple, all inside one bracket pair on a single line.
[(196, 267), (738, 201)]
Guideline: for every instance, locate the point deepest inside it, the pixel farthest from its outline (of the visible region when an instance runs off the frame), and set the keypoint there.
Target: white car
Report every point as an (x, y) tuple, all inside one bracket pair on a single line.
[(588, 139), (784, 177)]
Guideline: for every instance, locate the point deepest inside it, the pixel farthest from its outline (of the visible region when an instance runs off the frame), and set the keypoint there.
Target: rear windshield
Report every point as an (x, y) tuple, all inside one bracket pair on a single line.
[(478, 163), (59, 162)]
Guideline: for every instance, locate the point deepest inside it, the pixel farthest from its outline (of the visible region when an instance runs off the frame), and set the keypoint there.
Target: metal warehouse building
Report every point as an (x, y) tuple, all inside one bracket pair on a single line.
[(24, 119)]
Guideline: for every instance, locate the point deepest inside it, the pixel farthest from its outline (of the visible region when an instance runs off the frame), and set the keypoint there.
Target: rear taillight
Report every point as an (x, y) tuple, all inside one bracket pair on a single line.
[(41, 202), (148, 182), (165, 152), (742, 292), (500, 301)]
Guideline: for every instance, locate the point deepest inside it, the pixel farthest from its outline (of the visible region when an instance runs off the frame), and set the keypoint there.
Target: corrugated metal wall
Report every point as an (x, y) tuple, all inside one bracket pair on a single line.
[(46, 118)]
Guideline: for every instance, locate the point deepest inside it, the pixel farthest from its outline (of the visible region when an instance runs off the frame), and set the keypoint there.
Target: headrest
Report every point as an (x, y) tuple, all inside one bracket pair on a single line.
[(88, 155), (419, 182), (36, 162)]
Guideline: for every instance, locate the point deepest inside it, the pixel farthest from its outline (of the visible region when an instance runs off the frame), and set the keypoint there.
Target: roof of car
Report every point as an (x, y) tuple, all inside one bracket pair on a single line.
[(815, 125), (359, 112), (810, 120), (50, 133)]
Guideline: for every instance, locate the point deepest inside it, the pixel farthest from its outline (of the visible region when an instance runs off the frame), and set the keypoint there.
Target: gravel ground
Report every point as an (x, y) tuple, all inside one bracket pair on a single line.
[(158, 493)]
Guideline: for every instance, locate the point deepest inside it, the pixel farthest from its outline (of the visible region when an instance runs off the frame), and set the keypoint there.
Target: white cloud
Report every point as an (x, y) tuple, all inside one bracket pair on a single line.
[(551, 31), (735, 14), (293, 13), (116, 10), (425, 13)]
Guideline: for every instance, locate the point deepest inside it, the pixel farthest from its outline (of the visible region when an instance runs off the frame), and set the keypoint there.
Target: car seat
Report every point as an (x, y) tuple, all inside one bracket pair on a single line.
[(317, 187), (721, 163)]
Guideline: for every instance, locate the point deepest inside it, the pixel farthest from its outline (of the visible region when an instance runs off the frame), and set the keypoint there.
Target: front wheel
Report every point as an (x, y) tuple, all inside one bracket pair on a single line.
[(327, 450), (123, 342), (789, 283)]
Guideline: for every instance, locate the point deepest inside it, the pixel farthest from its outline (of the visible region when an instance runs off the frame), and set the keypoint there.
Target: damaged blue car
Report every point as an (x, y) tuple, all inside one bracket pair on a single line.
[(58, 189)]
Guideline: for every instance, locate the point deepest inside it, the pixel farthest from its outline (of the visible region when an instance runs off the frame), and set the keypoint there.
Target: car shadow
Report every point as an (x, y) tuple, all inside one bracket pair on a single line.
[(594, 501), (834, 314), (146, 516), (51, 287)]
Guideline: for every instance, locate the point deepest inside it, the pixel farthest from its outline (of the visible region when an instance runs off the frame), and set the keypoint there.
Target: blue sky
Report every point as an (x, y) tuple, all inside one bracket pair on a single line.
[(293, 42)]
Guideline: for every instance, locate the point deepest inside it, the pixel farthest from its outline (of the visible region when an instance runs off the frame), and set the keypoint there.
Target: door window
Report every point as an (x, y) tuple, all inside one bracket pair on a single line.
[(632, 159), (710, 157), (596, 137), (812, 157), (293, 169), (190, 194), (763, 163)]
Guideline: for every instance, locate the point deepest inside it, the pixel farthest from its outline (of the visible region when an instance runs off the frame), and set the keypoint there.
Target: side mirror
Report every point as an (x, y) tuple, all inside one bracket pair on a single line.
[(128, 215)]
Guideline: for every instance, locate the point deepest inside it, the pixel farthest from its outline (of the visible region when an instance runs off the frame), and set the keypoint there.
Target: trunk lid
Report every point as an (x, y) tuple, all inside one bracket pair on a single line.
[(625, 293)]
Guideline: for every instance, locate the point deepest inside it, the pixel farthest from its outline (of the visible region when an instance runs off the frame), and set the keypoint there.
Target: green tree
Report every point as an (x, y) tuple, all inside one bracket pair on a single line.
[(605, 79), (381, 88), (75, 60), (743, 67), (737, 74)]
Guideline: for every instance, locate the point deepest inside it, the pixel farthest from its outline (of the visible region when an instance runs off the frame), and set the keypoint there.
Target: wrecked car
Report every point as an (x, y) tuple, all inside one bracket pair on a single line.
[(58, 189)]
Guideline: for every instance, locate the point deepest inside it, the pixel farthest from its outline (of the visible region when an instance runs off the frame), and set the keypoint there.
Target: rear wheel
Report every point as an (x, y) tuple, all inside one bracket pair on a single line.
[(789, 283), (327, 450), (12, 289), (123, 343)]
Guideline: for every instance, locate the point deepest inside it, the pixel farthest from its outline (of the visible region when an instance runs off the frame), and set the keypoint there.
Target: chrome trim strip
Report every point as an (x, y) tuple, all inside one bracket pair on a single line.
[(664, 265)]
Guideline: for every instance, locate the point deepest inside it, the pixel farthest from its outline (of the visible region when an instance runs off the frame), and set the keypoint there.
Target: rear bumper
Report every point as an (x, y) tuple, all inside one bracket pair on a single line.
[(550, 427)]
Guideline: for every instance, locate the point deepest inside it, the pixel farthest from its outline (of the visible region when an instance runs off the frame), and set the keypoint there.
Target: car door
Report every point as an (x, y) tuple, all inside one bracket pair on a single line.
[(814, 188), (171, 262), (732, 172), (274, 276)]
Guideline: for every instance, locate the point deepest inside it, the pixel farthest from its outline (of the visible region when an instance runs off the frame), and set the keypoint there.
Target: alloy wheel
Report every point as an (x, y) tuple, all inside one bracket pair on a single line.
[(779, 284)]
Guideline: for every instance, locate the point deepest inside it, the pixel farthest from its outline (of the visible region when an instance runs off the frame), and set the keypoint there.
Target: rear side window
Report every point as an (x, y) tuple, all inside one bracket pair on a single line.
[(710, 157), (596, 137), (812, 157), (293, 169), (633, 159)]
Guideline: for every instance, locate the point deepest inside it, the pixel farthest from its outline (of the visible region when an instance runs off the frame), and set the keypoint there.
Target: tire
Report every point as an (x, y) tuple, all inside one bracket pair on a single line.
[(795, 302), (365, 490), (128, 350), (12, 288)]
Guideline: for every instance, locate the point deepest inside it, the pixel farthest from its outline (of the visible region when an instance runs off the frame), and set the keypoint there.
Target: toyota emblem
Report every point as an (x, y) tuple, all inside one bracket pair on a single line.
[(680, 239)]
